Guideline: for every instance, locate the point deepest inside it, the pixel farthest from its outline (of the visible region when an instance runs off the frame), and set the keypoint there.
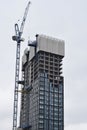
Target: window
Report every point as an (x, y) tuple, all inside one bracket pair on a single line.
[(60, 110), (41, 92), (60, 118), (60, 96), (55, 95), (60, 123), (56, 117), (40, 121), (41, 111), (55, 103), (41, 106), (56, 89), (41, 87), (60, 88), (40, 125), (41, 97), (40, 116), (56, 99), (46, 94), (60, 101), (55, 108), (56, 123), (42, 83), (55, 113), (41, 101), (56, 128), (42, 74)]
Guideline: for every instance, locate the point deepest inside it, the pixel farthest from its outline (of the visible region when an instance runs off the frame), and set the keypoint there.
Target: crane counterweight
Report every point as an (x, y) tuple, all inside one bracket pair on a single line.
[(15, 38)]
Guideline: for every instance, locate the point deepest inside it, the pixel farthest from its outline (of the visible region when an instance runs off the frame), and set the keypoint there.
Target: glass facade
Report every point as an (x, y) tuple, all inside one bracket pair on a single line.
[(42, 108), (50, 104)]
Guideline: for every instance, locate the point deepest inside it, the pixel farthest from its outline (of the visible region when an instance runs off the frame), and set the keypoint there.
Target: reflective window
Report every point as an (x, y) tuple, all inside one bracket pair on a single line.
[(41, 106), (40, 116), (41, 101), (55, 94), (41, 121), (41, 97), (41, 87), (41, 92), (60, 88), (40, 125)]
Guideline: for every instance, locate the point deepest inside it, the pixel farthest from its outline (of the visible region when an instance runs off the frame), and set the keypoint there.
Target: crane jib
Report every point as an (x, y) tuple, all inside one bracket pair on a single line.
[(24, 17)]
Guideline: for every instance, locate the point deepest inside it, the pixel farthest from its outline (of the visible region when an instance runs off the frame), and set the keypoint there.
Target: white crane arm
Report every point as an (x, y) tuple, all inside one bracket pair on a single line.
[(24, 18)]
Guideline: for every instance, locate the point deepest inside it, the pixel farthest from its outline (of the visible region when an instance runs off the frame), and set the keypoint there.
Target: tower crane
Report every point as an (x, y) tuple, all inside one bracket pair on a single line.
[(18, 39)]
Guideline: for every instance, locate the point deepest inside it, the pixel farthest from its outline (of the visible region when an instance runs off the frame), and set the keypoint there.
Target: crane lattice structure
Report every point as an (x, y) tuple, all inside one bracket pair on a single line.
[(18, 39)]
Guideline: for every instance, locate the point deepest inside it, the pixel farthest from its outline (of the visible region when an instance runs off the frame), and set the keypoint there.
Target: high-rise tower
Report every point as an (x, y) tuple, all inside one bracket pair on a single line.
[(42, 100)]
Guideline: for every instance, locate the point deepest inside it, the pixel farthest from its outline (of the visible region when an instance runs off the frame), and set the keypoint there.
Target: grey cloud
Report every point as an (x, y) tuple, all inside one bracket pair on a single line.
[(61, 19)]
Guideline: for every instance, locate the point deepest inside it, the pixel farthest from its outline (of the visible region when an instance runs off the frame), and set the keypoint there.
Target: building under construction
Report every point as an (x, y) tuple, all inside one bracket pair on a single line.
[(42, 98)]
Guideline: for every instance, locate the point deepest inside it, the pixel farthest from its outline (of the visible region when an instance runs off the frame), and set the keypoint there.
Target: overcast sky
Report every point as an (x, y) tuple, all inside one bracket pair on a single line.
[(62, 19)]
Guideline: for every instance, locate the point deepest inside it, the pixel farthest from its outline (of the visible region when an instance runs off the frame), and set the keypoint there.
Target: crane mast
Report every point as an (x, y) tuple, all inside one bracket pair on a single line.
[(18, 39)]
